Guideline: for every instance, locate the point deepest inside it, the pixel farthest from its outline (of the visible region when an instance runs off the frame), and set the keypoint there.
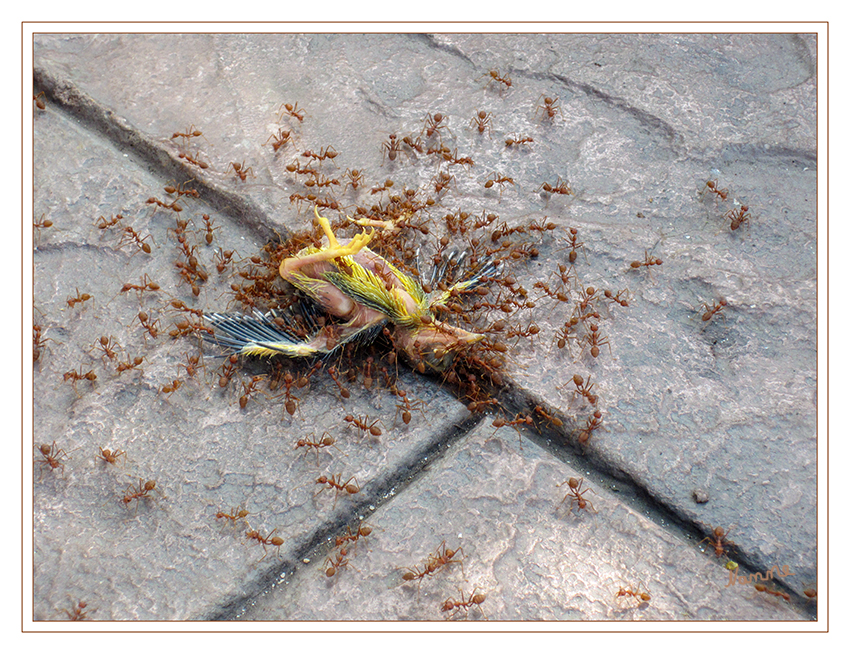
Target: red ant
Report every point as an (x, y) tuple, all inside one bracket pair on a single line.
[(107, 345), (76, 376), (292, 110), (335, 482), (716, 307), (362, 530), (720, 540), (575, 244), (332, 565), (554, 420), (248, 389), (712, 187), (171, 387), (738, 217), (38, 342), (495, 178), (549, 106), (280, 139), (620, 298), (594, 340), (641, 596), (482, 121), (129, 365), (327, 441), (275, 541), (593, 423), (561, 187), (647, 261), (144, 489), (227, 370), (78, 299), (405, 406), (39, 102), (433, 124), (103, 223), (173, 206), (761, 588), (240, 170), (200, 164), (583, 388), (110, 457), (355, 176), (520, 419), (147, 285), (190, 133), (475, 599), (180, 190), (222, 258), (42, 223), (392, 147), (576, 494), (361, 423), (131, 236), (151, 328), (76, 613), (235, 514), (495, 77), (519, 140), (52, 456), (343, 391)]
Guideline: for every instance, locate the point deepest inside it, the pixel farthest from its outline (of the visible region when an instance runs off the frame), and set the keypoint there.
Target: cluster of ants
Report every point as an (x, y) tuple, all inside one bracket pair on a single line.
[(402, 217), (441, 559)]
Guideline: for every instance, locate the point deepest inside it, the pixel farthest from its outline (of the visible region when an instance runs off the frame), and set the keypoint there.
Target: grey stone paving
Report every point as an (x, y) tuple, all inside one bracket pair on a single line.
[(725, 407)]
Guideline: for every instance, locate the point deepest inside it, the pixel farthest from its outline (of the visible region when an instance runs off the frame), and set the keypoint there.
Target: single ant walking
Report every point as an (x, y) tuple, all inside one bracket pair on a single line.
[(475, 599), (275, 541), (482, 121), (720, 541), (549, 106), (52, 456), (363, 424), (326, 441), (576, 495)]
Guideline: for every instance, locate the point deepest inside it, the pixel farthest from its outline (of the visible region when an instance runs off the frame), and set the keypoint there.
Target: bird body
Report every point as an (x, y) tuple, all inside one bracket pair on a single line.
[(363, 291)]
